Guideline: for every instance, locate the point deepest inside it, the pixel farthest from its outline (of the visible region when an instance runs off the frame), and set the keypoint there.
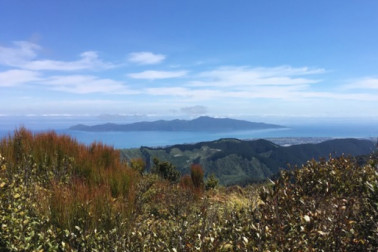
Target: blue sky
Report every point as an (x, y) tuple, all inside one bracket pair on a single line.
[(270, 59)]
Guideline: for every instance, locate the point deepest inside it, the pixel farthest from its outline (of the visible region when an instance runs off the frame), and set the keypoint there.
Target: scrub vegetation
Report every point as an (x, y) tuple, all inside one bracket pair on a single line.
[(58, 195)]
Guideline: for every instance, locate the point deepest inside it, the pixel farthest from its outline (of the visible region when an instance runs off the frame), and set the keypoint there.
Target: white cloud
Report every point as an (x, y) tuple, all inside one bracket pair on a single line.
[(288, 71), (283, 82), (24, 55), (168, 91), (339, 96), (22, 52), (85, 84), (277, 83), (88, 61), (146, 58), (195, 94), (273, 93), (194, 110), (17, 77), (152, 75), (246, 76), (74, 105), (211, 94), (365, 83)]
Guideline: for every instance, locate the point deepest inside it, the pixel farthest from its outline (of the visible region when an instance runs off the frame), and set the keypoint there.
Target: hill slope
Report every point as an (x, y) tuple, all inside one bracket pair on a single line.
[(203, 123), (236, 161)]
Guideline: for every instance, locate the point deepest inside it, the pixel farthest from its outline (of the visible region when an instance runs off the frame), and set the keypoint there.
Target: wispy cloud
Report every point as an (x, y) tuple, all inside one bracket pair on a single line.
[(246, 76), (363, 96), (76, 105), (365, 83), (17, 77), (88, 61), (241, 82), (231, 85), (277, 83), (270, 93), (185, 92), (24, 55), (152, 75), (22, 52), (146, 58), (85, 84), (194, 110)]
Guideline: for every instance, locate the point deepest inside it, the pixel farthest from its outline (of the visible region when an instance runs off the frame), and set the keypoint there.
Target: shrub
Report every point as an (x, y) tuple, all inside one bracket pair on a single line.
[(138, 165), (57, 195), (327, 205), (196, 173), (166, 170), (211, 182), (186, 182)]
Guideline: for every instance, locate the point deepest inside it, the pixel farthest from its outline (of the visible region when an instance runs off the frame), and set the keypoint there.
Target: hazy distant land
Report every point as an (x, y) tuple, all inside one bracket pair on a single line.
[(203, 123)]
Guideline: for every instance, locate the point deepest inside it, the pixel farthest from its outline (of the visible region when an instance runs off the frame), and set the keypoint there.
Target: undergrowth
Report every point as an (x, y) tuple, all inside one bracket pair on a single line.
[(58, 195)]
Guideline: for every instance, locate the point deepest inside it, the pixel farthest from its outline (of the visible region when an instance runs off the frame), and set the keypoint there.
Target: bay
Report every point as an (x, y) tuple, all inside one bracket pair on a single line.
[(164, 138)]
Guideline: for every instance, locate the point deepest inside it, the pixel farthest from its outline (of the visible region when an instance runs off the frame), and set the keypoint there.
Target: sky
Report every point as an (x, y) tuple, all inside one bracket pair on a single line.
[(263, 59)]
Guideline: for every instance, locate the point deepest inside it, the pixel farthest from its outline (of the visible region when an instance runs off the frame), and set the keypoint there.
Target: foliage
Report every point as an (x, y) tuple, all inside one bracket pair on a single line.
[(196, 173), (57, 195), (166, 170), (241, 162), (328, 205), (186, 182), (211, 182), (138, 165)]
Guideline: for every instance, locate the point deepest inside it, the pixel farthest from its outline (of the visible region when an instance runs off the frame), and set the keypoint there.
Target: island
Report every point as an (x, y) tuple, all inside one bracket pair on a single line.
[(203, 123)]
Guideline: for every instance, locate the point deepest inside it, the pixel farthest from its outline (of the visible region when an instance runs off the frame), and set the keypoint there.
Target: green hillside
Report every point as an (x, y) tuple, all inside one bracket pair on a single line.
[(240, 162)]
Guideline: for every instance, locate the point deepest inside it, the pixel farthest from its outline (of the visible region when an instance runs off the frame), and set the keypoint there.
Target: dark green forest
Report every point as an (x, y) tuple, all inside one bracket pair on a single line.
[(241, 162)]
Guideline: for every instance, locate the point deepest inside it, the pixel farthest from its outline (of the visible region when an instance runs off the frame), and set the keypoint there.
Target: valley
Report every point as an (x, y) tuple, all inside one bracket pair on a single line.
[(241, 162)]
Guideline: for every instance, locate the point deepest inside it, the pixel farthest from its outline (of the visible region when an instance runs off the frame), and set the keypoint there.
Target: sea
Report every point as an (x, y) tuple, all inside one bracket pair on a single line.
[(120, 140)]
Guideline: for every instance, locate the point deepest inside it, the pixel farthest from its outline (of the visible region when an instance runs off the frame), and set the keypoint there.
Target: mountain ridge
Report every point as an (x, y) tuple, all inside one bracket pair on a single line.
[(203, 123), (241, 162)]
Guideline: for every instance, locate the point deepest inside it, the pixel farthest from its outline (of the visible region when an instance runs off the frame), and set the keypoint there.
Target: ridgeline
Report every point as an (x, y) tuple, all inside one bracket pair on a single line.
[(204, 123), (243, 162)]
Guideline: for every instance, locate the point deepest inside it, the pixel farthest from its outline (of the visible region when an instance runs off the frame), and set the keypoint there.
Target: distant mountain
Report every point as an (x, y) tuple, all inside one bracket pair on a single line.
[(235, 161), (203, 123)]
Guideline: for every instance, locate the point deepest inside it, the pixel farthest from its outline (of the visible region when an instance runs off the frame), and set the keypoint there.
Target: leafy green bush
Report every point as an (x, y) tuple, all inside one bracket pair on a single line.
[(327, 205), (211, 182), (166, 170), (138, 165)]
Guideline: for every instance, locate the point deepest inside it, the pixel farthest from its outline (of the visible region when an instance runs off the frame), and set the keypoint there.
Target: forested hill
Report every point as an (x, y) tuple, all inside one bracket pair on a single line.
[(236, 161), (203, 123)]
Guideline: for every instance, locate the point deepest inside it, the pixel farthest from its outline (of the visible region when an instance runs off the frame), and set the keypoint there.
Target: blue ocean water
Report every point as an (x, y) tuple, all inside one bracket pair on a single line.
[(162, 138)]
